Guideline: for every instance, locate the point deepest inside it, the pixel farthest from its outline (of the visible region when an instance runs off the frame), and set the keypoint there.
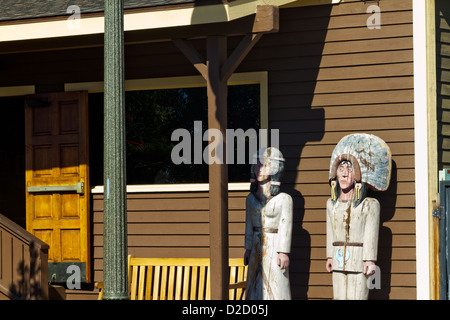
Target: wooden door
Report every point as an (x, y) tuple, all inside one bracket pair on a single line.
[(57, 178)]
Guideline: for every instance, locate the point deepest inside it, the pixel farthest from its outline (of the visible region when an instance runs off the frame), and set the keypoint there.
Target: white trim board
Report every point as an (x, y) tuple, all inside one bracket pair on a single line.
[(421, 149), (16, 91)]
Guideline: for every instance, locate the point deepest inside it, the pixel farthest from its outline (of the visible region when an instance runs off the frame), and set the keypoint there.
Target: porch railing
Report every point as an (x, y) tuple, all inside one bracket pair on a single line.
[(23, 263)]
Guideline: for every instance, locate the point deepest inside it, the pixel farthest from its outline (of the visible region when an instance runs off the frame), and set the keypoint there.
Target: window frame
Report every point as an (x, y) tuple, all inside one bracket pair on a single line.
[(259, 77)]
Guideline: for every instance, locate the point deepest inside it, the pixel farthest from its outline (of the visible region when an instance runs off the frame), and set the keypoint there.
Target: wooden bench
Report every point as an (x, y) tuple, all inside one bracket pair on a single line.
[(178, 279)]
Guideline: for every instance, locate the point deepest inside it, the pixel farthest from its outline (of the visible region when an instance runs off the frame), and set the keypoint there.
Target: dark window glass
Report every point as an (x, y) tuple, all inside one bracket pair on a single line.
[(152, 116)]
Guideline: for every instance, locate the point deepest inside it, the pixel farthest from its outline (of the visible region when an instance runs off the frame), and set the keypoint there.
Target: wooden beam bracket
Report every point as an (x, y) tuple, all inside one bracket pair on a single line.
[(267, 19), (193, 56), (239, 53)]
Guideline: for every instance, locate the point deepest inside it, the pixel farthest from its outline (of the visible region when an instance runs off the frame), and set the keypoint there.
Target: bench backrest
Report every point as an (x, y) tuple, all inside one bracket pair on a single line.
[(178, 278)]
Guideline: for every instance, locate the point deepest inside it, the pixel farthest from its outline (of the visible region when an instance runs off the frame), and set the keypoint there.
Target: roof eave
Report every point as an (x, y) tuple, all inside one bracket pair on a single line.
[(147, 20)]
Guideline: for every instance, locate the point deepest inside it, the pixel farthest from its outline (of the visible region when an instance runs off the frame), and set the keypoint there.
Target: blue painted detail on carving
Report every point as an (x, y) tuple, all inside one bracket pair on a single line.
[(340, 257)]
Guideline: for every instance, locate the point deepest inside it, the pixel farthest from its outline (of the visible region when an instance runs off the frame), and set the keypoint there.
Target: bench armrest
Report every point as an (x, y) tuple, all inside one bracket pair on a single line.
[(237, 285), (99, 286)]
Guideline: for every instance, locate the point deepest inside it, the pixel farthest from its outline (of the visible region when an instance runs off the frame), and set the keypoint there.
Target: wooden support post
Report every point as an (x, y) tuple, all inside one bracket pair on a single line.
[(217, 69), (218, 173), (115, 214)]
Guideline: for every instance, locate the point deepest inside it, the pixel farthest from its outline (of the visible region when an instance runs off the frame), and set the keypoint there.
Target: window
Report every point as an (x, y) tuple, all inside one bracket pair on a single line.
[(153, 114)]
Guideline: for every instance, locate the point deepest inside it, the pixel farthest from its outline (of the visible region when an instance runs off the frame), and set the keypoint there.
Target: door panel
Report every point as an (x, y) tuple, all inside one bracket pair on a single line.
[(56, 163)]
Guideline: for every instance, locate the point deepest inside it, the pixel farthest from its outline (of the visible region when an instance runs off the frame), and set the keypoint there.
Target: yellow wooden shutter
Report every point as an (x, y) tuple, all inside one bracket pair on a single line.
[(57, 176)]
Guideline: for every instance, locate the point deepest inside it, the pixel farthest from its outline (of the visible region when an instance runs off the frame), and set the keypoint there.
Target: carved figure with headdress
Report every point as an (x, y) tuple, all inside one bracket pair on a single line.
[(358, 162)]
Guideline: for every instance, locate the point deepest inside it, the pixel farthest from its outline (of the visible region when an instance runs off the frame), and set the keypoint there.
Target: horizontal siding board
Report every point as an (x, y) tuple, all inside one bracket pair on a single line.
[(342, 34), (343, 112), (283, 61), (444, 48), (355, 124), (339, 99), (308, 50), (345, 21), (390, 136), (147, 216), (344, 72), (335, 86)]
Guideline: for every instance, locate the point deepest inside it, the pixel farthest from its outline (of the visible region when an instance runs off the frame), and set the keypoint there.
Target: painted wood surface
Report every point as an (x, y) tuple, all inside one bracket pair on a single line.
[(57, 156), (178, 279)]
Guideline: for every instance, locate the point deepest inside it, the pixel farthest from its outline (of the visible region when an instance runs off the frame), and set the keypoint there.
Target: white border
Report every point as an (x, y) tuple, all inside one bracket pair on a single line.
[(421, 149)]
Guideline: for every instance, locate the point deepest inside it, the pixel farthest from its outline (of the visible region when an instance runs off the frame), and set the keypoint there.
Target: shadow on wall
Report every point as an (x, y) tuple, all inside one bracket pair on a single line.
[(292, 58), (387, 201), (12, 159), (21, 287), (292, 85), (25, 281)]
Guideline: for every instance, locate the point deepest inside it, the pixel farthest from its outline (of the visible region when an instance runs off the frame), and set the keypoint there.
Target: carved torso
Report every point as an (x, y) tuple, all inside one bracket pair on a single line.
[(268, 232), (352, 233)]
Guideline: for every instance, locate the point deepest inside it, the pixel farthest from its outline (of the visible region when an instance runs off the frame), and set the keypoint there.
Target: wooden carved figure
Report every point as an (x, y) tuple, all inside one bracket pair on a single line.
[(268, 230), (359, 161)]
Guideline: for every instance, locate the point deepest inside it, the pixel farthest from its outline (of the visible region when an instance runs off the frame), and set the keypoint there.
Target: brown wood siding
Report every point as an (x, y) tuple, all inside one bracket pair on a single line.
[(169, 225), (443, 82), (329, 75)]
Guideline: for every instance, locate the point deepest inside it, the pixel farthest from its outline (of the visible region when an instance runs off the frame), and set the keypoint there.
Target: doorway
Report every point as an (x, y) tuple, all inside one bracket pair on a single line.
[(12, 159)]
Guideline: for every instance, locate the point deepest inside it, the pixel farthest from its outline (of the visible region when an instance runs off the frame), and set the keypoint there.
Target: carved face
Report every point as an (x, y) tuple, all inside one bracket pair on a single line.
[(269, 164), (345, 175), (262, 170)]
